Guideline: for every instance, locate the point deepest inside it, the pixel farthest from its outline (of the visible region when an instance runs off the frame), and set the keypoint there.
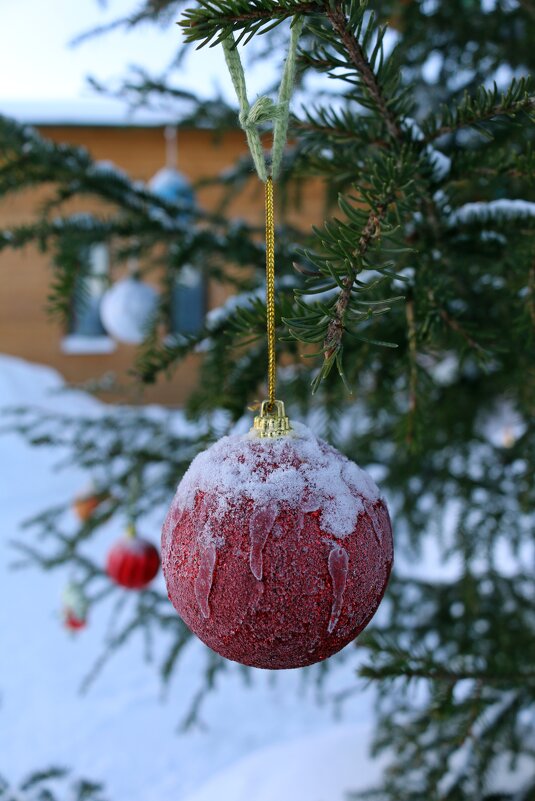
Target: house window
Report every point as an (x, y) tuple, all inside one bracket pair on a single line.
[(86, 333), (188, 301)]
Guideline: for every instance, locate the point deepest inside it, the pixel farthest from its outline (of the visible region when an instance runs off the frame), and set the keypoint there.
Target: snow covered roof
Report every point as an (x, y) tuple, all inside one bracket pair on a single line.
[(84, 112)]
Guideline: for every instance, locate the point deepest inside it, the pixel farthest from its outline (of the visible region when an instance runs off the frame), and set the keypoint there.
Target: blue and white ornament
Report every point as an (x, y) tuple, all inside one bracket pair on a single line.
[(169, 184)]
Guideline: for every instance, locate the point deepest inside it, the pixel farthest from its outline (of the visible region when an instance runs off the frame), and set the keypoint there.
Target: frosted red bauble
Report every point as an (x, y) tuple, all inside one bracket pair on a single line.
[(276, 552), (133, 562)]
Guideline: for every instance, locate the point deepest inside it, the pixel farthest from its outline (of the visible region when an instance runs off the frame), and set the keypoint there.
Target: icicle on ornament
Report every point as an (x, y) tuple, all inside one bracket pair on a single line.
[(276, 549)]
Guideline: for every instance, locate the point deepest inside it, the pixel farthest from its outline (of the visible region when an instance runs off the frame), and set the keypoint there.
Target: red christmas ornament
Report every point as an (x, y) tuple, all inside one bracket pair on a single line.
[(276, 551), (75, 607), (132, 562)]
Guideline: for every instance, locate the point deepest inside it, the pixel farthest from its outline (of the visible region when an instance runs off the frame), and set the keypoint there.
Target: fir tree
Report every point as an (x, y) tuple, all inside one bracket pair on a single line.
[(415, 302), (51, 784)]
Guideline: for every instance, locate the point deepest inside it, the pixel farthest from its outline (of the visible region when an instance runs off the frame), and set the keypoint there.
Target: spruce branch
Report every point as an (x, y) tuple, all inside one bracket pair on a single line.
[(413, 367), (343, 126), (212, 20), (529, 7), (150, 11), (485, 106), (371, 232), (361, 63), (51, 784), (412, 668), (140, 89), (455, 326), (531, 294)]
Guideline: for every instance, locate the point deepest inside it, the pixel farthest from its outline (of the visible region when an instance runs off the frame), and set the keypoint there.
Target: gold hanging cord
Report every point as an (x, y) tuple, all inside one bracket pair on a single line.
[(272, 421), (270, 291)]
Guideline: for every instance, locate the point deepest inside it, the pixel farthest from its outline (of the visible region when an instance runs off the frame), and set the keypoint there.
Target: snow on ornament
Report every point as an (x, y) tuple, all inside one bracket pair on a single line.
[(128, 309), (277, 548), (132, 562)]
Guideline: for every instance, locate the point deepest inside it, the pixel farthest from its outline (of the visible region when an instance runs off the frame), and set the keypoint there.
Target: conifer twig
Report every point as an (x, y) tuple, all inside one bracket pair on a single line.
[(413, 375), (215, 19), (439, 673), (496, 111), (268, 13), (452, 323), (531, 293), (358, 57), (370, 232)]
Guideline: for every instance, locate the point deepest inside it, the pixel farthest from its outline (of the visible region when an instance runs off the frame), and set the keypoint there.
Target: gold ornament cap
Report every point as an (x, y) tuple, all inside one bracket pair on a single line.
[(131, 532), (272, 421)]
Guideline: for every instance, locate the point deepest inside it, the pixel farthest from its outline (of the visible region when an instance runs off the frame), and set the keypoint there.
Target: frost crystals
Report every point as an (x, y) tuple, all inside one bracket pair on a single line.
[(205, 576), (260, 527), (338, 564)]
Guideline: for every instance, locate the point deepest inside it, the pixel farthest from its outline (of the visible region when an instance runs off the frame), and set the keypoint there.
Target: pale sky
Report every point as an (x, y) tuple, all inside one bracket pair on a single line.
[(43, 77), (37, 63)]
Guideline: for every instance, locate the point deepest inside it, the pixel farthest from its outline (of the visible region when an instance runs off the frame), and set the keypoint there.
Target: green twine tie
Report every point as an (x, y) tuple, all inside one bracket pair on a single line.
[(264, 109)]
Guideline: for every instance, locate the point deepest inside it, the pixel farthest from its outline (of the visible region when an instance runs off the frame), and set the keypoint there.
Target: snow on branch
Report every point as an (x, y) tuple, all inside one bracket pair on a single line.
[(492, 211)]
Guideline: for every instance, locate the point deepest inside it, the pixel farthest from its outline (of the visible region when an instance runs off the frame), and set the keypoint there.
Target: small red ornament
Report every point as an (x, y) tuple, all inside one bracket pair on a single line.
[(75, 606), (85, 504), (132, 562), (73, 623), (276, 551)]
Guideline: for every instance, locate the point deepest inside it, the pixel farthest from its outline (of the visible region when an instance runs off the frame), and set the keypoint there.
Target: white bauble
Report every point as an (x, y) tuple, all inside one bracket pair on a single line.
[(127, 310)]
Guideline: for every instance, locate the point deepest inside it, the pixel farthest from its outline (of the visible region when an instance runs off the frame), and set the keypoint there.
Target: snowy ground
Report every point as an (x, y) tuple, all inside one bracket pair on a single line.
[(270, 740)]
